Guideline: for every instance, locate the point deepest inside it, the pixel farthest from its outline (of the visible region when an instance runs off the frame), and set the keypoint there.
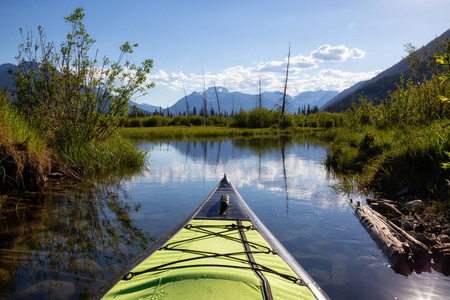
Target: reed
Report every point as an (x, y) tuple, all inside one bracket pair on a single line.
[(101, 157), (24, 157), (388, 160)]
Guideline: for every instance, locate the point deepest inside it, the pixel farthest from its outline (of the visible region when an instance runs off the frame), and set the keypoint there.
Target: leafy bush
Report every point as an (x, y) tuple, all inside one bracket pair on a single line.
[(67, 94), (195, 120), (134, 122), (240, 119)]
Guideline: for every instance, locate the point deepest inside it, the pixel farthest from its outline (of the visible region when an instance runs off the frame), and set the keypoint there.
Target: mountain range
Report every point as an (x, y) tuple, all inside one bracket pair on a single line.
[(234, 101), (229, 101), (378, 87)]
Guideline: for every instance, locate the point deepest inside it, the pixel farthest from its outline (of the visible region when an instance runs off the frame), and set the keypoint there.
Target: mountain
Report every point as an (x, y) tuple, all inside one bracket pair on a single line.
[(378, 87), (317, 98), (144, 106), (5, 78), (229, 101), (234, 101)]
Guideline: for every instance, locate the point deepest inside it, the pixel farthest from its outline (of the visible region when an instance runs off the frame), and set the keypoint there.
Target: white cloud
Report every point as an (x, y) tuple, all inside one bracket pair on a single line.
[(302, 62), (305, 74), (271, 66), (337, 53), (356, 53)]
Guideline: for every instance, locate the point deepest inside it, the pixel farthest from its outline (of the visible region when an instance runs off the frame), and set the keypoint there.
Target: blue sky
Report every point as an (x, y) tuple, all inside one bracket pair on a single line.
[(334, 43)]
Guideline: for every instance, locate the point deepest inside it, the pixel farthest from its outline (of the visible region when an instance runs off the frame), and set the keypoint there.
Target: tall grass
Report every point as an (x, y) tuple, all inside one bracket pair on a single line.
[(402, 142), (101, 157), (27, 161), (388, 160), (182, 132), (14, 128), (24, 157)]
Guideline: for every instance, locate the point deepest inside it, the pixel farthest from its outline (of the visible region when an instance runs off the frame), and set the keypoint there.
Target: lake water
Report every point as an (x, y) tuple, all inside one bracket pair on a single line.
[(73, 239)]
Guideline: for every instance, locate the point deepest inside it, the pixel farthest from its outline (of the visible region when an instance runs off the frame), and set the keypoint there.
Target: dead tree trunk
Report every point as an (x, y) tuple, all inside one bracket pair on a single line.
[(187, 104), (260, 95), (205, 110), (218, 104), (285, 88)]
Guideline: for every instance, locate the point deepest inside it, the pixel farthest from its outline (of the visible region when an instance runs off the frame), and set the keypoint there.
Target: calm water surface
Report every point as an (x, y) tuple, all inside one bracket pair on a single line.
[(71, 240)]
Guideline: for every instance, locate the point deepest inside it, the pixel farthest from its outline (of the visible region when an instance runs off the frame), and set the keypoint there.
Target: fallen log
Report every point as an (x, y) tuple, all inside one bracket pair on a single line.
[(441, 258), (405, 253)]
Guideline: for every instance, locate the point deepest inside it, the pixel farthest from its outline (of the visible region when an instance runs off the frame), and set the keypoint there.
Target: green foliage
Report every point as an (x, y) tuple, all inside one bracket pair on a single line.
[(390, 159), (446, 165), (240, 119), (100, 157), (444, 61), (135, 122), (24, 157), (70, 94), (195, 120)]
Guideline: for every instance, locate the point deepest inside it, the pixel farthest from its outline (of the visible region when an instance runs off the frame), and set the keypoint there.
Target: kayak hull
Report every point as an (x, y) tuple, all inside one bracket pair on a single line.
[(220, 251)]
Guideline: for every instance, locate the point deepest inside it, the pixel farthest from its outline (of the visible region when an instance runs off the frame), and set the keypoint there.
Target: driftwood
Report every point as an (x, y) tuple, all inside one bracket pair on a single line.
[(441, 258), (403, 251)]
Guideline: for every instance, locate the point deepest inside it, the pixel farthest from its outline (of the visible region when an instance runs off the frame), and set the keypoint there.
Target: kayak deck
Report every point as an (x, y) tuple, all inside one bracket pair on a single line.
[(221, 250), (208, 259)]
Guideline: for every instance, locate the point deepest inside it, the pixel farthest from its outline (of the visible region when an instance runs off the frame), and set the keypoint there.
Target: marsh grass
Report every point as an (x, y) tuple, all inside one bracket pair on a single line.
[(183, 132), (391, 159), (24, 158), (27, 161), (101, 157)]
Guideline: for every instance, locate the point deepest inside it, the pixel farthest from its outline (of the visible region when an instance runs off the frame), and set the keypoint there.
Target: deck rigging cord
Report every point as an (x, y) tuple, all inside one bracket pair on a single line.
[(206, 254)]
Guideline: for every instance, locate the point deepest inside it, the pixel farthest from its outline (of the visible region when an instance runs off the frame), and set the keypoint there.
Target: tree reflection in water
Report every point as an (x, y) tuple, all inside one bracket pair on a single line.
[(72, 241)]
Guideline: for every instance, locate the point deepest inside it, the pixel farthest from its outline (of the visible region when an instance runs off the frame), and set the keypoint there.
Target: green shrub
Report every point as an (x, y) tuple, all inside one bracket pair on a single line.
[(64, 91), (195, 120), (259, 118), (300, 120), (240, 119), (134, 122), (179, 121), (328, 123)]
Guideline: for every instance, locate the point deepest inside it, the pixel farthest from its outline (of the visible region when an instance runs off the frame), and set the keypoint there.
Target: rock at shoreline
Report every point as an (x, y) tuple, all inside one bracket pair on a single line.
[(414, 204), (406, 224)]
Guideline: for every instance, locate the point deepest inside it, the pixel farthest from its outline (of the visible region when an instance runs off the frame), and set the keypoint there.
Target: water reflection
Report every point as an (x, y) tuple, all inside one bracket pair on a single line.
[(261, 163), (65, 244), (69, 241)]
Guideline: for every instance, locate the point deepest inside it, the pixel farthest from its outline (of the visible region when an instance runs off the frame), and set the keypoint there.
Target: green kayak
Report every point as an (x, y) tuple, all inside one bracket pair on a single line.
[(221, 250)]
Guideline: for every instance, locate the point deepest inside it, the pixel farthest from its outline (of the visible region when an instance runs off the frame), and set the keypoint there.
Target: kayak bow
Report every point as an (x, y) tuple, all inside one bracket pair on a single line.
[(220, 250)]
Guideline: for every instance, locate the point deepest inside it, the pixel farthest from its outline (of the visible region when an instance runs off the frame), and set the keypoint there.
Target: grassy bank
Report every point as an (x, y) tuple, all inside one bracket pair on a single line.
[(201, 132), (398, 147), (27, 161), (390, 160)]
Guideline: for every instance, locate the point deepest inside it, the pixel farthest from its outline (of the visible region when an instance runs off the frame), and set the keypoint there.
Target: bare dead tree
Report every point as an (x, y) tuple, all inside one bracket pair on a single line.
[(185, 98), (260, 95), (218, 104), (205, 111), (285, 87)]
